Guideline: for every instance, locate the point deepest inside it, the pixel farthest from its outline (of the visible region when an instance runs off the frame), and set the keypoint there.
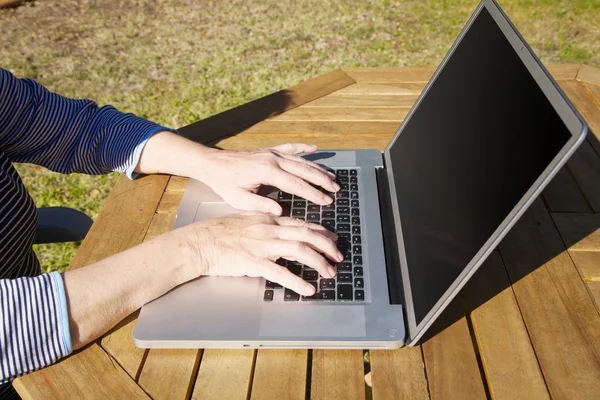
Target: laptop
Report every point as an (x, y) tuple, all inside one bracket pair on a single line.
[(487, 134)]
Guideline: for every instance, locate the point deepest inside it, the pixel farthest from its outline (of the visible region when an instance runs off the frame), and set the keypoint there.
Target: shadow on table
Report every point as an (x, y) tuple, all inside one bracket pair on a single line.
[(220, 126), (531, 243)]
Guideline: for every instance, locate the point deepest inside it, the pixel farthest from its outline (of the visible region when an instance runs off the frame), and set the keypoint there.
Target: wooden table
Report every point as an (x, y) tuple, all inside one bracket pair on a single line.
[(527, 325)]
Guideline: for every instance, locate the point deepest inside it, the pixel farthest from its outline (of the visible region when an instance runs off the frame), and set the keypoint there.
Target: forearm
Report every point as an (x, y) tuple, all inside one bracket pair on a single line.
[(102, 294), (168, 153)]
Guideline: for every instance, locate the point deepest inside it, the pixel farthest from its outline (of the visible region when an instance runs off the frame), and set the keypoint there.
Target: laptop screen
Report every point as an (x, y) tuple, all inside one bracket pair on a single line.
[(476, 143)]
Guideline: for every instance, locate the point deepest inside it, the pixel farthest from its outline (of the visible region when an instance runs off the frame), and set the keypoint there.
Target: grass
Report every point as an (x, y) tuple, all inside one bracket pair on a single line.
[(175, 62)]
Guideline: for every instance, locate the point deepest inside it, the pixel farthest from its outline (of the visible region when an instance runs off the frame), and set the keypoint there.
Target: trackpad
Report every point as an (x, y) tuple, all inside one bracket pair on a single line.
[(325, 321), (210, 210)]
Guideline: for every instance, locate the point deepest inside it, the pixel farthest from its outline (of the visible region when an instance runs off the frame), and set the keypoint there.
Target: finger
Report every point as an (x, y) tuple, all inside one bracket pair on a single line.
[(313, 164), (293, 184), (314, 239), (244, 200), (301, 252), (295, 148), (276, 273), (289, 221), (309, 174)]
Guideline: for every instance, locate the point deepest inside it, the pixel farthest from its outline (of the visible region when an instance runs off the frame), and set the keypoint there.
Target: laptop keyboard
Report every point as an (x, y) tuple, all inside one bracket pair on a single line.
[(341, 217)]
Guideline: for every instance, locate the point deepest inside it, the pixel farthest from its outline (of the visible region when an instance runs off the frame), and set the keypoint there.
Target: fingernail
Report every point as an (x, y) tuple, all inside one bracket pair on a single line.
[(340, 257), (336, 186), (309, 290), (327, 199), (331, 271)]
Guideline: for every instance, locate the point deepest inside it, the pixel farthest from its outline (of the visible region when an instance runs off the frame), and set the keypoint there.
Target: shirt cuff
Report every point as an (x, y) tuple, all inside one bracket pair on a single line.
[(137, 152), (59, 288)]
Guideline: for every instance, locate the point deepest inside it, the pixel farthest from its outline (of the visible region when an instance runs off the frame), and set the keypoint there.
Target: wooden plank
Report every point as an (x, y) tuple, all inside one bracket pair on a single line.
[(238, 118), (118, 342), (337, 374), (337, 141), (450, 360), (170, 373), (507, 356), (90, 374), (423, 74), (580, 232), (390, 75), (280, 374), (560, 317), (304, 113), (588, 74), (398, 89), (294, 128), (398, 374), (224, 374), (594, 290), (124, 219), (593, 91), (566, 72), (563, 195), (176, 184), (586, 106), (364, 100), (588, 264), (169, 203), (585, 166)]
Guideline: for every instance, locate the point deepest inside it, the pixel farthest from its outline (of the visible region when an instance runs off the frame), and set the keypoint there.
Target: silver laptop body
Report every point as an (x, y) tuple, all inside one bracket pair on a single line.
[(414, 259)]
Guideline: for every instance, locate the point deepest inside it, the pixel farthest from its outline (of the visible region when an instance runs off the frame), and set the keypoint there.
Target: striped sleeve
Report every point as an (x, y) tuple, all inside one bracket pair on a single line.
[(35, 325), (65, 135)]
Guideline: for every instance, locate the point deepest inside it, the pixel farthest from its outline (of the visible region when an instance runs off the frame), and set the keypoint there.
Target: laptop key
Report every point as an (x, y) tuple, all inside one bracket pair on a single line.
[(286, 208), (356, 230), (343, 210), (358, 271), (357, 260), (343, 228), (329, 207), (354, 203), (282, 196), (344, 278), (298, 212), (355, 220), (328, 214), (353, 179), (310, 275), (354, 195), (359, 295), (343, 218), (356, 239), (299, 204), (342, 202), (345, 236), (353, 172), (314, 208), (290, 295), (322, 295), (328, 223), (344, 194), (268, 295), (342, 172), (313, 217), (345, 266), (295, 269), (327, 284), (347, 257), (354, 187), (359, 283), (355, 212), (344, 186), (344, 292)]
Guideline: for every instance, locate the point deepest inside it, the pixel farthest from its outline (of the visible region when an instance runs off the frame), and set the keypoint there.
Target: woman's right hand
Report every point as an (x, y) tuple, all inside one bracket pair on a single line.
[(249, 244)]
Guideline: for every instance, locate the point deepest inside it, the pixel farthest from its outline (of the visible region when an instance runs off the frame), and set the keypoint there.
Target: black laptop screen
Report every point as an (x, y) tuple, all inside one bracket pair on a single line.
[(475, 145)]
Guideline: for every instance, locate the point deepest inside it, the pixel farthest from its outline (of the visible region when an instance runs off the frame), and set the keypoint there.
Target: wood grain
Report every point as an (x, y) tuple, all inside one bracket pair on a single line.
[(398, 374), (280, 374), (564, 71), (363, 101), (450, 360), (241, 117), (508, 358), (593, 91), (588, 264), (580, 232), (287, 129), (397, 89), (224, 374), (589, 74), (560, 317), (563, 195), (170, 373), (89, 374), (337, 374), (304, 113), (587, 107), (594, 290), (390, 75)]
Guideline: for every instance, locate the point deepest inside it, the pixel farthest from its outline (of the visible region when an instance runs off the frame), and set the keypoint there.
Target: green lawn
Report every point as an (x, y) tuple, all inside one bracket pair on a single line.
[(179, 61)]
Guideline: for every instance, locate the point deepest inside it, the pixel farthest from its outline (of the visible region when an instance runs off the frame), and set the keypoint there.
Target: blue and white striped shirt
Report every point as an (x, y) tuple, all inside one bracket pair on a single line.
[(64, 135)]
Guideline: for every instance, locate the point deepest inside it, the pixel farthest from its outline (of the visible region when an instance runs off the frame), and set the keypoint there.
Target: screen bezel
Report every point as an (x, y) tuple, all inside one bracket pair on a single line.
[(566, 111)]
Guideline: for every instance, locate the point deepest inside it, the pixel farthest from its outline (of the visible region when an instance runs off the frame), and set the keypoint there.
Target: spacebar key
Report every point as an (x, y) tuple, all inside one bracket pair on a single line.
[(321, 296)]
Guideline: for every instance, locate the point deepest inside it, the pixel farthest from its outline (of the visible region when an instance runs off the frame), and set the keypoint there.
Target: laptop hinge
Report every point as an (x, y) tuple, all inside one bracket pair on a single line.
[(392, 256)]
